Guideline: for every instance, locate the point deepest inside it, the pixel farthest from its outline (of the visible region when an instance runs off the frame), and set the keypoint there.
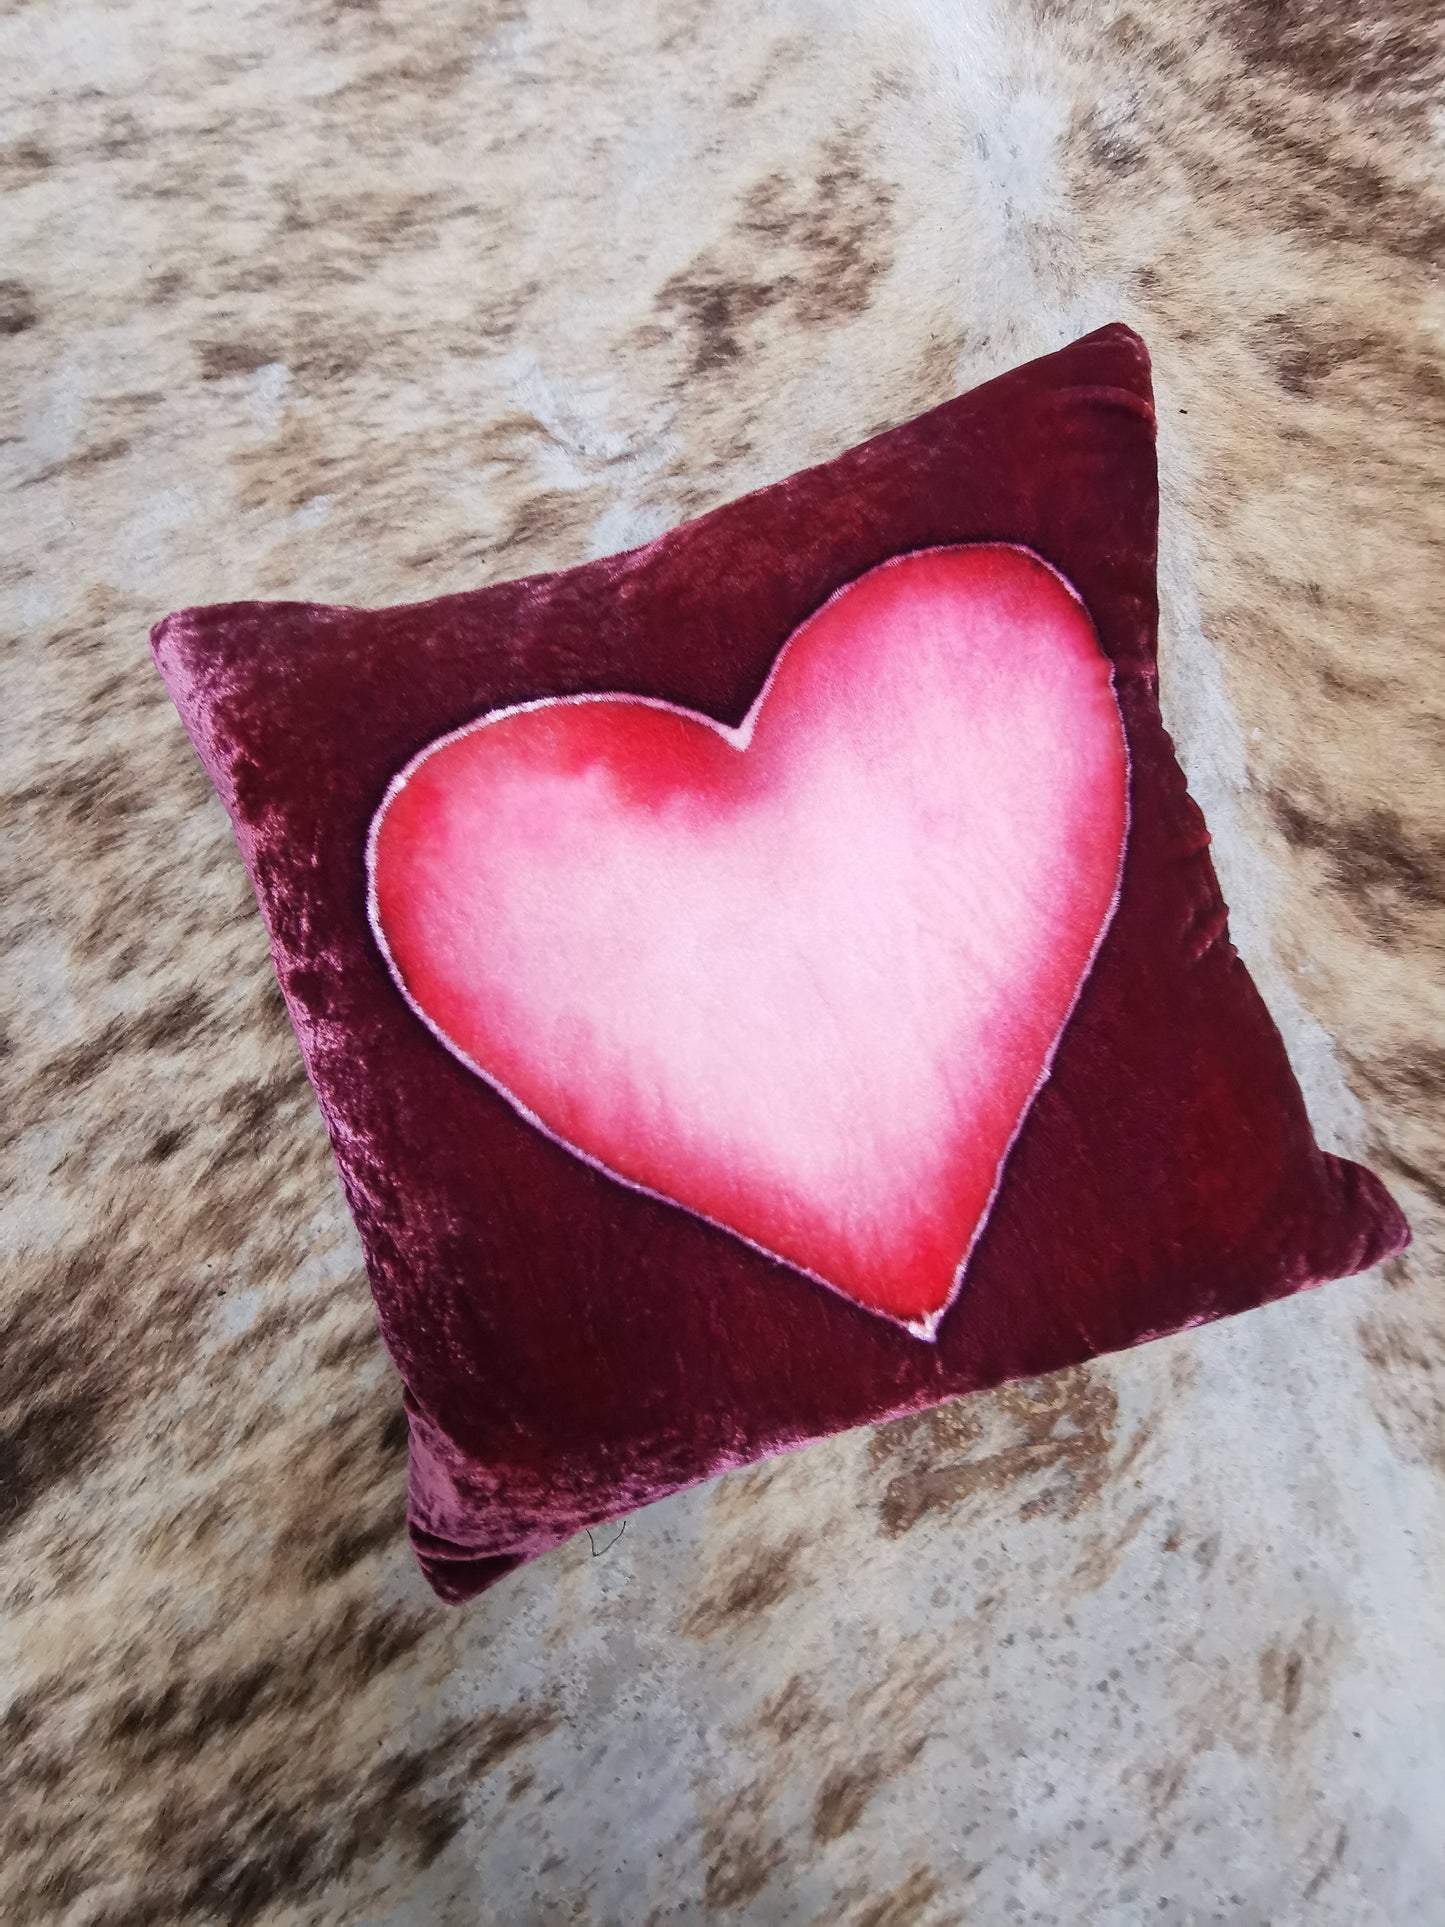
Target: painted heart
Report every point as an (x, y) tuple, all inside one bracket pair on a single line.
[(803, 977)]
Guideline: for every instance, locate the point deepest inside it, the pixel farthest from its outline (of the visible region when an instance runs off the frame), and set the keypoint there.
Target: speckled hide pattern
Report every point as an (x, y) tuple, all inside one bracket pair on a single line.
[(366, 303)]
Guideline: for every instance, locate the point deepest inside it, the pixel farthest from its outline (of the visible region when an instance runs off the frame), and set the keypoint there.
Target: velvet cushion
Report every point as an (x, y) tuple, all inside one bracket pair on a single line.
[(833, 1014)]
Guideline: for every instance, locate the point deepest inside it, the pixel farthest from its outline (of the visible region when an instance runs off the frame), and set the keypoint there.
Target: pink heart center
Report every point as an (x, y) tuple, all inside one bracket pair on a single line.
[(803, 977)]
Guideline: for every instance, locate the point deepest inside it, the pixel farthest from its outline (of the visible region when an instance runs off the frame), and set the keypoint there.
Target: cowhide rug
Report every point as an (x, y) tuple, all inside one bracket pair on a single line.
[(369, 302)]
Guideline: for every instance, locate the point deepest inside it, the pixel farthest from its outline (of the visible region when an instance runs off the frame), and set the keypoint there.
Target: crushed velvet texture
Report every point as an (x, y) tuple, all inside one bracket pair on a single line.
[(572, 1348)]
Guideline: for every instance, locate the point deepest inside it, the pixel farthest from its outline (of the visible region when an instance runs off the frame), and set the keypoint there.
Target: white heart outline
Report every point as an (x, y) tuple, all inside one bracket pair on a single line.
[(738, 736)]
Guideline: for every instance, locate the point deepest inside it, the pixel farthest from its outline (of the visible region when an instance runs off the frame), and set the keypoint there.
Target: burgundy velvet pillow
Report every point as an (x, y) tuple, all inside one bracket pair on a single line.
[(774, 979)]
